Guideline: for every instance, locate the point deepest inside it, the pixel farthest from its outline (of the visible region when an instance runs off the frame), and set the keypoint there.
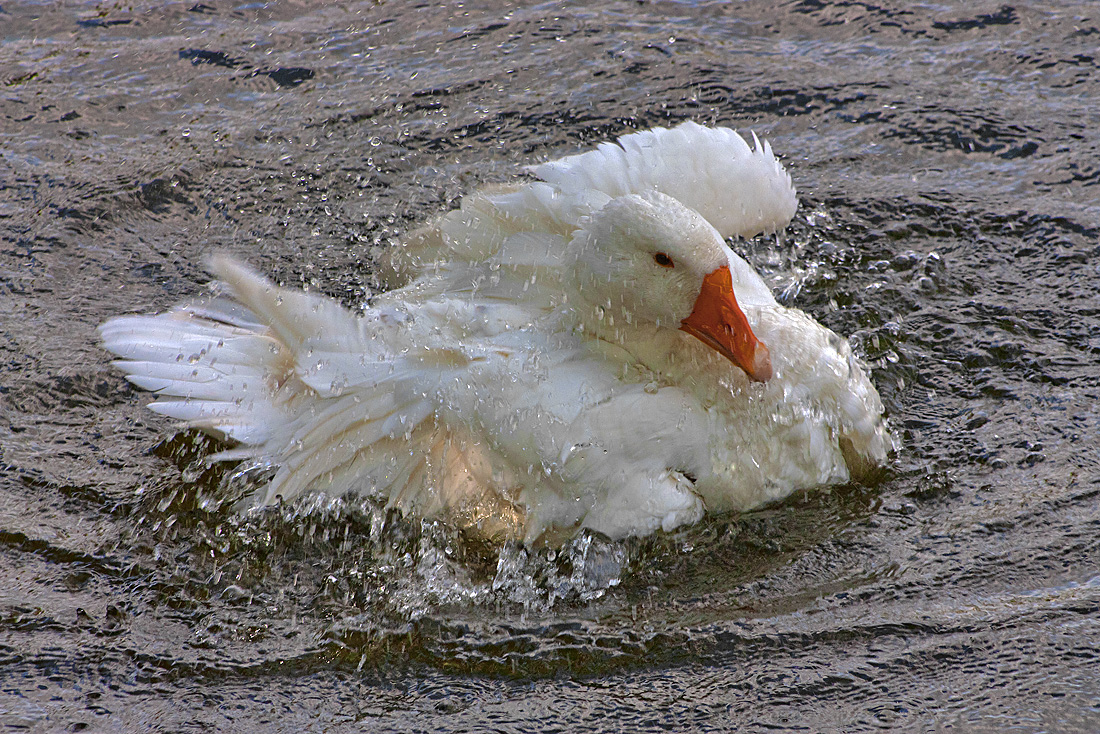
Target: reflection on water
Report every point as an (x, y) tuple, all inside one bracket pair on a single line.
[(949, 222)]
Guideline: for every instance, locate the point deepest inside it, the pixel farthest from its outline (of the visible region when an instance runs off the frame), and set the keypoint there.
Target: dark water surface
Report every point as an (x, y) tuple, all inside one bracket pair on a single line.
[(948, 161)]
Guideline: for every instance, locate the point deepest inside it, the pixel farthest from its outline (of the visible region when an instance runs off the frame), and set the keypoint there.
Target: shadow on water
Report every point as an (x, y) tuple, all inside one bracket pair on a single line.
[(948, 222)]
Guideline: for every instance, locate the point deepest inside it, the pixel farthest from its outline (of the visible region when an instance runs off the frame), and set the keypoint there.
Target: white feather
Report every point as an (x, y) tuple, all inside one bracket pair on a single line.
[(534, 380), (740, 191)]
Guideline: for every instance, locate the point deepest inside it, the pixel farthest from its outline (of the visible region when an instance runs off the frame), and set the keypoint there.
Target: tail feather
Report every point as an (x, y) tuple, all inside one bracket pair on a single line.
[(206, 367), (206, 383), (320, 394), (295, 378), (299, 321), (324, 448), (182, 337)]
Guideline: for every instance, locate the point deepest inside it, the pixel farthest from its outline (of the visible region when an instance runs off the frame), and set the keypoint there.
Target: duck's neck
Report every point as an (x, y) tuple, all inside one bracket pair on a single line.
[(643, 352)]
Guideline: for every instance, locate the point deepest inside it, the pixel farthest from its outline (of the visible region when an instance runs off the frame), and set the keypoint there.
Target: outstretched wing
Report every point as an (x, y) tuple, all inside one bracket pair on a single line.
[(336, 402), (741, 191)]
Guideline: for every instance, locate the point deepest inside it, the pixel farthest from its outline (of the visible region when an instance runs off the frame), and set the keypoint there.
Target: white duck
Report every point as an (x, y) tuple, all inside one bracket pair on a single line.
[(541, 375)]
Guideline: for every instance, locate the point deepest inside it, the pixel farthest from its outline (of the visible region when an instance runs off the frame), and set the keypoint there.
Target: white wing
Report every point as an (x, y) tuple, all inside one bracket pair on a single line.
[(739, 190), (335, 401)]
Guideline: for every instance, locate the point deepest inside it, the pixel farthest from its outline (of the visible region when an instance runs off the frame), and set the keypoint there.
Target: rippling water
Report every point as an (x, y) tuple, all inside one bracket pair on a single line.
[(948, 162)]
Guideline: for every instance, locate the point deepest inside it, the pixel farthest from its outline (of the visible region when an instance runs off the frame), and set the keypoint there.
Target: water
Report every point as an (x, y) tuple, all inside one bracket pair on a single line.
[(946, 158)]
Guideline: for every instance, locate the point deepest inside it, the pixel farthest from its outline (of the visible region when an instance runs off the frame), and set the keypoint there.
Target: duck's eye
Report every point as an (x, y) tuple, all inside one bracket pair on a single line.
[(663, 260)]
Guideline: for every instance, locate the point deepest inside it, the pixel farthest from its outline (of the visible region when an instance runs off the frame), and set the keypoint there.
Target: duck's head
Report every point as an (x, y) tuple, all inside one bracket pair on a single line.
[(649, 258)]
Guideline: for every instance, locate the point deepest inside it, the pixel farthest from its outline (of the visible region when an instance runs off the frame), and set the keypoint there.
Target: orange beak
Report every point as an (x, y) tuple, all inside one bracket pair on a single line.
[(718, 322)]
